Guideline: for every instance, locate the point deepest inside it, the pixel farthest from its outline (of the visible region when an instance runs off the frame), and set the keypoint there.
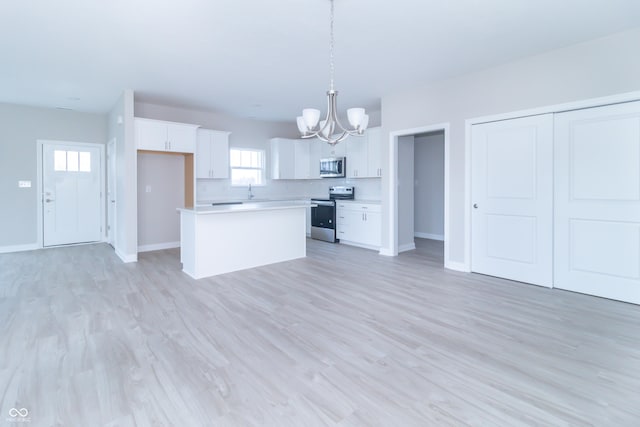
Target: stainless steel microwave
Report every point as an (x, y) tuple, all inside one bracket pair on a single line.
[(334, 167)]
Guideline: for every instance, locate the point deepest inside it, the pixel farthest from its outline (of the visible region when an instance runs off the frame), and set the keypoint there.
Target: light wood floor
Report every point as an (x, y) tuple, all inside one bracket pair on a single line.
[(344, 337)]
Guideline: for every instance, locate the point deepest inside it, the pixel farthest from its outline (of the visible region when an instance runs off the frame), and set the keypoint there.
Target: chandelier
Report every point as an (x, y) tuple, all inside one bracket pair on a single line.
[(330, 130)]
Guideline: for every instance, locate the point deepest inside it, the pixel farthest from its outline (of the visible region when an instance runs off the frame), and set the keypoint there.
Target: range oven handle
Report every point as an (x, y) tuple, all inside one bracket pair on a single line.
[(321, 203)]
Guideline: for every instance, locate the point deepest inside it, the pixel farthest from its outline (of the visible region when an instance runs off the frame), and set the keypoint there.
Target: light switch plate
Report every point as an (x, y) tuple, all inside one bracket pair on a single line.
[(24, 184), (148, 189)]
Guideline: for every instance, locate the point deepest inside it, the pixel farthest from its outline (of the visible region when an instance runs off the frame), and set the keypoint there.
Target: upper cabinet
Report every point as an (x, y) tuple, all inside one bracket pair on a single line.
[(295, 158), (158, 135), (374, 153), (364, 154), (357, 156), (328, 151), (283, 158), (212, 154)]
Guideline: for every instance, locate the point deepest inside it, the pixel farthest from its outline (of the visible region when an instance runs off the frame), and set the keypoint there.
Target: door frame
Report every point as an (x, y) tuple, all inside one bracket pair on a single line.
[(557, 108), (40, 143), (110, 234), (393, 187)]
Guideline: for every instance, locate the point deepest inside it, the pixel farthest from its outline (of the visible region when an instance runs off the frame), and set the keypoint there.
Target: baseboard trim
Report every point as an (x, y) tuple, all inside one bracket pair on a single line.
[(359, 245), (420, 235), (386, 252), (19, 248), (457, 266), (407, 247), (126, 258), (158, 246)]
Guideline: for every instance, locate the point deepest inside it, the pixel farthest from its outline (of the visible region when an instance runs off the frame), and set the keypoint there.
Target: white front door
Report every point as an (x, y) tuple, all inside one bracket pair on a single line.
[(111, 192), (71, 182), (512, 199), (597, 201)]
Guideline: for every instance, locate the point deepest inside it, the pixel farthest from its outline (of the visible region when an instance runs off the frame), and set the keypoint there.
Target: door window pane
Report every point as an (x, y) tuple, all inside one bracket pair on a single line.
[(72, 161), (59, 160)]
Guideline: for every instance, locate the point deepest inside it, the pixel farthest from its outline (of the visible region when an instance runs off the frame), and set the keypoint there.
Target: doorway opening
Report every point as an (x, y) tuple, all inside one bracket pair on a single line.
[(419, 192)]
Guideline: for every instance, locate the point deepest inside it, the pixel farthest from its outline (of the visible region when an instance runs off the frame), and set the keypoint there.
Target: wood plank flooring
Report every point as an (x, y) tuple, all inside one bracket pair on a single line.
[(344, 337)]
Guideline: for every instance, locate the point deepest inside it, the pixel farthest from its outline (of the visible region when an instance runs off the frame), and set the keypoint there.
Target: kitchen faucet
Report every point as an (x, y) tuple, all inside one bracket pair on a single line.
[(250, 193)]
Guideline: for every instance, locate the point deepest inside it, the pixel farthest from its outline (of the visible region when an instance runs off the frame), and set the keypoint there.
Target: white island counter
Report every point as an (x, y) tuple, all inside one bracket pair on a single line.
[(225, 238)]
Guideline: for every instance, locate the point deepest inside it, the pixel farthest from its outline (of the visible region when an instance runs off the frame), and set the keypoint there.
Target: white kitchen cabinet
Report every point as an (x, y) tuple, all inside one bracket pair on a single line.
[(363, 154), (328, 151), (374, 152), (295, 159), (283, 158), (212, 154), (302, 167), (357, 152), (315, 154), (359, 224), (158, 135)]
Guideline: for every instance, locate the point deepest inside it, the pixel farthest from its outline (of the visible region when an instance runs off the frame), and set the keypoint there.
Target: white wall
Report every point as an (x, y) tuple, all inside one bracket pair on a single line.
[(429, 186), (160, 192), (601, 67), (405, 193), (20, 128), (120, 128)]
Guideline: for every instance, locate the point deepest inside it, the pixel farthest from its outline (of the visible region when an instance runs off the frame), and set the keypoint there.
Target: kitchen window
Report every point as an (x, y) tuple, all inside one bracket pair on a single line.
[(247, 166)]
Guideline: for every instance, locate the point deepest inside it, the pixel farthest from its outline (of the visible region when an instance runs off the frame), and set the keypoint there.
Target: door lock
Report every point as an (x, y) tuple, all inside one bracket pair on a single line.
[(475, 206)]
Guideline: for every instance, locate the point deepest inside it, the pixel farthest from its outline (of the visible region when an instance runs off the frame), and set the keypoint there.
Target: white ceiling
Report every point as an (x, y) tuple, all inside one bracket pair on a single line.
[(268, 59)]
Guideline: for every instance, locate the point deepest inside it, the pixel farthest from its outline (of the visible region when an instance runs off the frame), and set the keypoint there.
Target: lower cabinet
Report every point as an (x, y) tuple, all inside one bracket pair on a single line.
[(359, 224)]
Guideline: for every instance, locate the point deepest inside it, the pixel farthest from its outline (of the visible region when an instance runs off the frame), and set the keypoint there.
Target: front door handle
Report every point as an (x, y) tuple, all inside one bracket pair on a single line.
[(49, 200)]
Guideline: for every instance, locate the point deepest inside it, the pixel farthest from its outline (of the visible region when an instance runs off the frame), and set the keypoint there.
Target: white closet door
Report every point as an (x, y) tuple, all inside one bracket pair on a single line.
[(512, 197), (597, 201)]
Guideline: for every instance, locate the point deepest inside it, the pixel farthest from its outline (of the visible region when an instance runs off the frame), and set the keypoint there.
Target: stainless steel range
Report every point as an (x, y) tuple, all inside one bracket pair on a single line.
[(323, 216)]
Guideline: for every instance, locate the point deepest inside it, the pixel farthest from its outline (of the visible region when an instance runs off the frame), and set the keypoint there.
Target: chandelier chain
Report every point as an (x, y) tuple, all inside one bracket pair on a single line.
[(330, 130), (331, 43)]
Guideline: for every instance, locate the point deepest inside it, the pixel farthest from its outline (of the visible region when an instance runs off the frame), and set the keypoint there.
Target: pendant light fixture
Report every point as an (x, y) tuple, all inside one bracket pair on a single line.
[(330, 130)]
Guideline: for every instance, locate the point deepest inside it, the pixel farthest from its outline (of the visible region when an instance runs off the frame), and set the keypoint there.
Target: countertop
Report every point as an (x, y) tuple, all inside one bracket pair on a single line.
[(370, 202), (249, 206), (208, 203)]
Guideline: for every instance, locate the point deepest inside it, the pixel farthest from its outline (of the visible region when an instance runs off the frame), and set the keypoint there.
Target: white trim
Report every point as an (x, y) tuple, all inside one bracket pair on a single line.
[(407, 247), (359, 245), (40, 143), (158, 246), (557, 108), (386, 252), (111, 237), (392, 250), (18, 248), (457, 266), (127, 257), (430, 236)]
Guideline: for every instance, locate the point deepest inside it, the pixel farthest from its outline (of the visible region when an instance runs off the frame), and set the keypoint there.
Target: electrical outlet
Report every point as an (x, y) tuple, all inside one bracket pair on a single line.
[(148, 189), (24, 184)]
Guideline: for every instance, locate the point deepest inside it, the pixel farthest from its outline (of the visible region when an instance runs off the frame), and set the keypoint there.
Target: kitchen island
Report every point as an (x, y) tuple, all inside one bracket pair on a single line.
[(224, 238)]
